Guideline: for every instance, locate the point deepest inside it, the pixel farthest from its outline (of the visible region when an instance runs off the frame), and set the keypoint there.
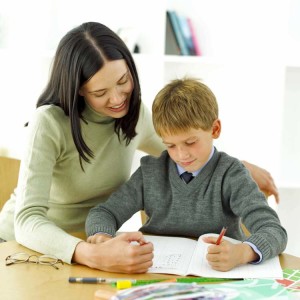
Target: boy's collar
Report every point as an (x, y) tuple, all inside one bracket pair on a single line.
[(195, 173)]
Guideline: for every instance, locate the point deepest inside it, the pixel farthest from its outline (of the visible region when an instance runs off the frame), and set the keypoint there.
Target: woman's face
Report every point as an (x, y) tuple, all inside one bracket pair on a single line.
[(108, 92)]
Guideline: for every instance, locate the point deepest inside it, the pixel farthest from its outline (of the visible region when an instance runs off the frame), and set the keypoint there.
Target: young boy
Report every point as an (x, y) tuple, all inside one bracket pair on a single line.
[(220, 192)]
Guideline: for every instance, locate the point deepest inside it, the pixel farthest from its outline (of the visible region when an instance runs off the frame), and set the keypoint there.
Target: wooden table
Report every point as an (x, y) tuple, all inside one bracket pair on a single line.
[(32, 281)]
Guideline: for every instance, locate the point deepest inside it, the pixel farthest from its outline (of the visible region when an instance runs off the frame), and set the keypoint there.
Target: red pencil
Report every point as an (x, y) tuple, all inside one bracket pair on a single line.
[(222, 233)]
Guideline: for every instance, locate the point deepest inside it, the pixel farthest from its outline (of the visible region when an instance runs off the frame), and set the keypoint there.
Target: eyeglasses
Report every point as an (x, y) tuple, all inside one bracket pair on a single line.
[(18, 258)]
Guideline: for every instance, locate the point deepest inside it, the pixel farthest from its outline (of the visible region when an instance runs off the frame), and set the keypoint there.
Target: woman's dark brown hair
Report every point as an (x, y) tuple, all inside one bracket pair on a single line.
[(80, 54)]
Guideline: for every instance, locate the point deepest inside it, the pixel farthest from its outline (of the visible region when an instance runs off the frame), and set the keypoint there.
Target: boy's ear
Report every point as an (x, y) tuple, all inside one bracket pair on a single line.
[(216, 129)]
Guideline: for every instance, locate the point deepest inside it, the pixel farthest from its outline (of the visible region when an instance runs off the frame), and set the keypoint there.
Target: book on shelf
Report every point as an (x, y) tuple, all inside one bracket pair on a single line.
[(187, 33), (195, 41), (181, 38), (173, 19), (184, 256), (171, 44)]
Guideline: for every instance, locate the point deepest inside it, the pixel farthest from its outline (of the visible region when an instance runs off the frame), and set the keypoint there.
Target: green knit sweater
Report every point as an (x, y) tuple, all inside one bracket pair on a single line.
[(54, 195), (222, 194)]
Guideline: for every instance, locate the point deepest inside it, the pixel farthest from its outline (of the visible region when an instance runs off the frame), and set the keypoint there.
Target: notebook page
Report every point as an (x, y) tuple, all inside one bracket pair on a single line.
[(172, 255), (200, 267)]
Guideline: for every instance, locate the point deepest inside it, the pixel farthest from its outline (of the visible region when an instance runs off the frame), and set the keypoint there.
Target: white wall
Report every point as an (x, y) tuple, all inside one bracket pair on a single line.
[(30, 31), (288, 211), (250, 77)]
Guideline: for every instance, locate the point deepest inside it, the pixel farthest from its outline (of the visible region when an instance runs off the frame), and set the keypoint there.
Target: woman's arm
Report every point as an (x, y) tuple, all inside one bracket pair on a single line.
[(263, 179), (117, 254), (149, 141), (34, 228)]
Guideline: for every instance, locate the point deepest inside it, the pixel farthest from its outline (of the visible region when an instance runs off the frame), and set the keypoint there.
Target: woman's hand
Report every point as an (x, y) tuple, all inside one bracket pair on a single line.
[(226, 256), (264, 180), (126, 253), (99, 238)]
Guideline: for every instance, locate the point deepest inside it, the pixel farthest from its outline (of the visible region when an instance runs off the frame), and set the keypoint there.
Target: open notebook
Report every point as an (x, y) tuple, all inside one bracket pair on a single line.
[(184, 256)]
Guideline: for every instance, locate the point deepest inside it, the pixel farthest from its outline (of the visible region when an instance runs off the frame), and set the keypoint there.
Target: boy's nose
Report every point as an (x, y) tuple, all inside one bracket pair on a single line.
[(182, 153)]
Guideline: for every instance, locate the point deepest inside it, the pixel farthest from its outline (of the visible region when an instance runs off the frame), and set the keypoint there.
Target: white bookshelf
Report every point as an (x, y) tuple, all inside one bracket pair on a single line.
[(250, 60)]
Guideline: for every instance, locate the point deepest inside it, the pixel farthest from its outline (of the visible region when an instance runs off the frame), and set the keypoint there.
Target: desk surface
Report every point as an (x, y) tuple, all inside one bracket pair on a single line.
[(31, 281)]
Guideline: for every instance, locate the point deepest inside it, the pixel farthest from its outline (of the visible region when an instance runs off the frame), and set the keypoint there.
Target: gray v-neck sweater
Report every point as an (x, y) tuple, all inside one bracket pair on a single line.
[(223, 194)]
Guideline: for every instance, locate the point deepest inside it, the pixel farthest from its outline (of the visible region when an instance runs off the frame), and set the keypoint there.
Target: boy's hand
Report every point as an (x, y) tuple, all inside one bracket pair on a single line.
[(227, 255)]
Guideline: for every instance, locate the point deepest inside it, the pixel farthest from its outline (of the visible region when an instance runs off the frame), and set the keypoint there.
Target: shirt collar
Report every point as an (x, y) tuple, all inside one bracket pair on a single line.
[(195, 173)]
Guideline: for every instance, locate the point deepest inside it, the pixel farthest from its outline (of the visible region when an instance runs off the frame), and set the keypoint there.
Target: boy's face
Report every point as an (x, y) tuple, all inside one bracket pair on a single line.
[(191, 149)]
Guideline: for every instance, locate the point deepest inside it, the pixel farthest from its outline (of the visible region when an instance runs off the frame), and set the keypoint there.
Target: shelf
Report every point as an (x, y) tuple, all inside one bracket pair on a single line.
[(293, 64), (191, 59)]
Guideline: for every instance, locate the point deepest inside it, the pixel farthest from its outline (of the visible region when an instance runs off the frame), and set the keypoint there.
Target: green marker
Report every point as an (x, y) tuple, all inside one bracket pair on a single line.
[(181, 280), (202, 279)]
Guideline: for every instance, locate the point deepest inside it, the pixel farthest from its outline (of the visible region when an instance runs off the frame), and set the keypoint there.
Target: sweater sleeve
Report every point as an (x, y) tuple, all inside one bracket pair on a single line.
[(248, 202), (149, 140), (108, 217), (32, 227)]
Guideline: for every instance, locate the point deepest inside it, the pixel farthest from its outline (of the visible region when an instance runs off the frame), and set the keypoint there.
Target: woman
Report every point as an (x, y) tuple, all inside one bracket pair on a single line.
[(88, 123)]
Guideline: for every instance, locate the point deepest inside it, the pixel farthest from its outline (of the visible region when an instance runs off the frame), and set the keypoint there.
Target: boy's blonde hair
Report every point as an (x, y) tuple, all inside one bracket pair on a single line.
[(183, 104)]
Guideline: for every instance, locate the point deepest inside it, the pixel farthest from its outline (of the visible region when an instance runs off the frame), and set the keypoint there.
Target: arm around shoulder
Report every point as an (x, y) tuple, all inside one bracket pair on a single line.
[(263, 179)]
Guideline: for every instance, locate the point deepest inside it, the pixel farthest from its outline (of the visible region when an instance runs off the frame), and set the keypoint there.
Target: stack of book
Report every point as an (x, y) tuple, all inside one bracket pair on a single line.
[(181, 38)]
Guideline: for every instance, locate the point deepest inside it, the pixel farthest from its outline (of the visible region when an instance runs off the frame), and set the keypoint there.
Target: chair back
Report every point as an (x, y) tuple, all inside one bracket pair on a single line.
[(9, 173)]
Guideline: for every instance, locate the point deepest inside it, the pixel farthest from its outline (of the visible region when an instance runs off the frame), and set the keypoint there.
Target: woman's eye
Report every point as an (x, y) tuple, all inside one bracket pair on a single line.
[(123, 81), (99, 95)]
